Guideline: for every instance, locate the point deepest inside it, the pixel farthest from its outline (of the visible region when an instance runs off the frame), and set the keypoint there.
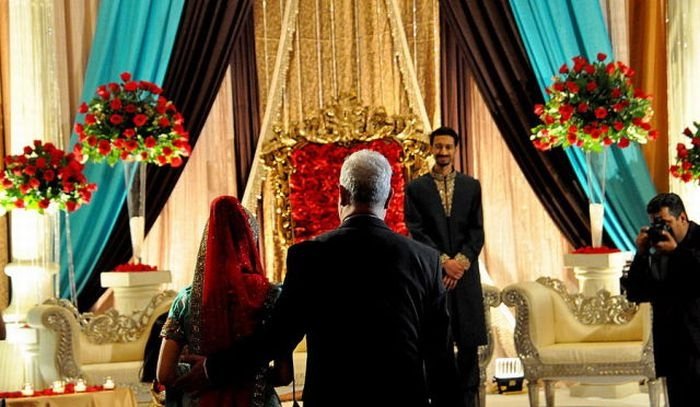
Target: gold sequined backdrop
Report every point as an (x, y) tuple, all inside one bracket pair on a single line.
[(346, 46), (340, 47)]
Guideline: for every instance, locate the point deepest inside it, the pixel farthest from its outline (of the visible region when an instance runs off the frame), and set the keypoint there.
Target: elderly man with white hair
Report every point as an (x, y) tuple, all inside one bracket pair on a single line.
[(371, 304)]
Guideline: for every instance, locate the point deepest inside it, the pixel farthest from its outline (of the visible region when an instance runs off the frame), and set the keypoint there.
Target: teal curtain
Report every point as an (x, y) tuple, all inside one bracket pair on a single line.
[(554, 31), (135, 36)]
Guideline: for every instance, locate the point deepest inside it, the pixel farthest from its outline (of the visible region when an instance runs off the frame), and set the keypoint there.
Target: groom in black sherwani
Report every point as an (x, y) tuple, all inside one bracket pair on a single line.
[(443, 210)]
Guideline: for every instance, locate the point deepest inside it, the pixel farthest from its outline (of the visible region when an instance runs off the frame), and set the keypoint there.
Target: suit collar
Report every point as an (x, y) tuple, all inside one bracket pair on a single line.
[(363, 220)]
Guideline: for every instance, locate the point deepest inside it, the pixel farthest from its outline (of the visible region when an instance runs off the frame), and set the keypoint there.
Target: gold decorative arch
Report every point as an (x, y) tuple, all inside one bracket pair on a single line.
[(343, 122)]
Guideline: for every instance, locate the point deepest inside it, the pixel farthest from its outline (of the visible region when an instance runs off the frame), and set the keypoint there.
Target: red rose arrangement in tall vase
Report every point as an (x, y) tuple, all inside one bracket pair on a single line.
[(44, 177), (37, 185), (593, 105), (131, 121), (687, 165)]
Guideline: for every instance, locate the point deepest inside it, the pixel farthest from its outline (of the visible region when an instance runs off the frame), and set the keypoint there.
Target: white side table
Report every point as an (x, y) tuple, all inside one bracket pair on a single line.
[(595, 271), (134, 289)]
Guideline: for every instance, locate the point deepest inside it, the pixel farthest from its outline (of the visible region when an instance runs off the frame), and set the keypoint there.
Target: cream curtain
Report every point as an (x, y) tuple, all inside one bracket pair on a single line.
[(42, 66), (616, 17), (683, 41), (648, 57), (4, 133), (522, 242), (173, 241)]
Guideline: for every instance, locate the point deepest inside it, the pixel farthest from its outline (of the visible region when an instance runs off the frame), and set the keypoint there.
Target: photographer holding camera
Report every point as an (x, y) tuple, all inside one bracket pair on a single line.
[(666, 272)]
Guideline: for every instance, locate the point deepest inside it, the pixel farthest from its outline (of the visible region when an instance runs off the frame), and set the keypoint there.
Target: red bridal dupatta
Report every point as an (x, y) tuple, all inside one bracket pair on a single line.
[(233, 290)]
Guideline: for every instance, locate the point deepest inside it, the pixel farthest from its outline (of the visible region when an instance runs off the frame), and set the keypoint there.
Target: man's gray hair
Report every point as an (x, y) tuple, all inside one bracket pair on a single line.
[(366, 174)]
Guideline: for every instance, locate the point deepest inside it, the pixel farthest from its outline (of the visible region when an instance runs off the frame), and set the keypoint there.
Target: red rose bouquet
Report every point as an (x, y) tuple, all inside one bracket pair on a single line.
[(687, 166), (593, 105), (132, 121), (44, 176), (131, 267)]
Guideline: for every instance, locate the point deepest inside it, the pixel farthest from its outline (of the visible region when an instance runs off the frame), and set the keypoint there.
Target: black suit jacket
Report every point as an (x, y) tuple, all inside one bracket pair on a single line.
[(373, 309), (461, 232), (671, 282)]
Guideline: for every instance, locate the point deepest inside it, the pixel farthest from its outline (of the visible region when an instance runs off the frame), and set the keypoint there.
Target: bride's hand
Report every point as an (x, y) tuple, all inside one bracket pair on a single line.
[(196, 379)]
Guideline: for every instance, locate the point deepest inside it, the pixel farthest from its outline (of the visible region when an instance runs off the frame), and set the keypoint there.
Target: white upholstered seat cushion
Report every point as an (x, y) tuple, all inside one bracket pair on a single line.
[(591, 352)]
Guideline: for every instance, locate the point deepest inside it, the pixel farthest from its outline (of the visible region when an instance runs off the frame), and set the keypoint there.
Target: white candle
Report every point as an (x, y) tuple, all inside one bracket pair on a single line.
[(27, 390), (58, 386), (109, 383), (80, 385)]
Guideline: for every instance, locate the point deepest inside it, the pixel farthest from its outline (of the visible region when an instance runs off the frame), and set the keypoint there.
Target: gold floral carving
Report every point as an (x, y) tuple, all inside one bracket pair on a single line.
[(344, 122), (492, 298), (611, 311), (112, 327), (602, 308)]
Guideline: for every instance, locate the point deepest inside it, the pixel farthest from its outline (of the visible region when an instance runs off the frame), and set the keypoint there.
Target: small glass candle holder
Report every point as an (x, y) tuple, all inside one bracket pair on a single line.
[(58, 386), (80, 386), (109, 383), (27, 389)]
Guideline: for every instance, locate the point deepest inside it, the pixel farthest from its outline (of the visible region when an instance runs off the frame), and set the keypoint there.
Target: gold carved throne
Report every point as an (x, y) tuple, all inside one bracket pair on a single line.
[(302, 165)]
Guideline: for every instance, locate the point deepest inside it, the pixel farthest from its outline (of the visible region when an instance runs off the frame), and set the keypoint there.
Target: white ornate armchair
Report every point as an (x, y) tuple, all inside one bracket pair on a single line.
[(91, 346), (599, 339)]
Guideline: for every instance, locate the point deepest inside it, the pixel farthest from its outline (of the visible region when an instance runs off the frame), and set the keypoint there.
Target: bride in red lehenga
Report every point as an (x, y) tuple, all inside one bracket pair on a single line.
[(229, 297)]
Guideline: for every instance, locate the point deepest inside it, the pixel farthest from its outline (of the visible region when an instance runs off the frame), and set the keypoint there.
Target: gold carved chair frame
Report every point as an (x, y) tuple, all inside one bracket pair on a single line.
[(345, 122)]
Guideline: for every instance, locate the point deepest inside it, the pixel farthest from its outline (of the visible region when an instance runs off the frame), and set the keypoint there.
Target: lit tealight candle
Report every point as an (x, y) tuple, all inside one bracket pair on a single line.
[(58, 386), (27, 390), (80, 385), (109, 383)]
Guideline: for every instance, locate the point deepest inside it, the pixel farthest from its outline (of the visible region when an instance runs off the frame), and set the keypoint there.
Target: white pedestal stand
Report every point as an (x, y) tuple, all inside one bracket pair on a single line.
[(133, 289), (32, 284), (598, 271)]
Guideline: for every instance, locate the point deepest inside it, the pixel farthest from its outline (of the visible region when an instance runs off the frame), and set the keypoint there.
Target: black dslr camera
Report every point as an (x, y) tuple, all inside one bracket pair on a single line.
[(656, 230)]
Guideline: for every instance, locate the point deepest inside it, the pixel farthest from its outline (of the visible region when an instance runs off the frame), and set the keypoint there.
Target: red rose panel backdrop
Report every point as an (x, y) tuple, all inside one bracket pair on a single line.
[(313, 186)]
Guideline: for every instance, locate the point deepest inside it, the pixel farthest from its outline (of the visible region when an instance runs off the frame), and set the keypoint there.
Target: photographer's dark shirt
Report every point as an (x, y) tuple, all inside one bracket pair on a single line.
[(671, 282)]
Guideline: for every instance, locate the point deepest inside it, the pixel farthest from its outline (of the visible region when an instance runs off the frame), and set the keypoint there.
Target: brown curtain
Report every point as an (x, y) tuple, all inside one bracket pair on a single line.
[(244, 82), (454, 97), (648, 57), (201, 54), (486, 34)]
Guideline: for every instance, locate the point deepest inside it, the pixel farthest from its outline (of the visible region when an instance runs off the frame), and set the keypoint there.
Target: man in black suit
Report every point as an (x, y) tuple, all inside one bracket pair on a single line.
[(443, 210), (370, 303), (666, 272)]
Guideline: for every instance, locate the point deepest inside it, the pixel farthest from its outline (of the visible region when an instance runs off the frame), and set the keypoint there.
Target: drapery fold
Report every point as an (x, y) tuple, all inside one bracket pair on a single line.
[(554, 31), (134, 36), (683, 62), (488, 37), (200, 56), (244, 83), (648, 52)]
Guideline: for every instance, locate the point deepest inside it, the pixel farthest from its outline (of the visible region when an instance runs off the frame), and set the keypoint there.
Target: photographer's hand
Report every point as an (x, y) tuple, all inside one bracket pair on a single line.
[(667, 245), (642, 240)]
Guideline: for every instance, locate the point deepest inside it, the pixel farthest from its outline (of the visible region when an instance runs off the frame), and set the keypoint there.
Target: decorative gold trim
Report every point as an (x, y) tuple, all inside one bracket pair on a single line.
[(275, 95), (343, 122), (112, 327), (603, 308), (492, 299), (58, 322)]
